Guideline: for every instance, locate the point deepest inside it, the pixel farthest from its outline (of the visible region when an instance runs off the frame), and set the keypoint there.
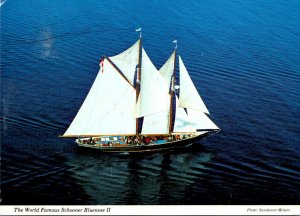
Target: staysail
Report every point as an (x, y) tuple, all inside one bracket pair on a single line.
[(107, 108), (200, 120), (158, 123), (182, 122)]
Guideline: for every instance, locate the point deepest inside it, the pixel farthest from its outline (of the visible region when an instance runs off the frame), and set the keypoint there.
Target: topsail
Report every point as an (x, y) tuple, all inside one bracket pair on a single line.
[(127, 61)]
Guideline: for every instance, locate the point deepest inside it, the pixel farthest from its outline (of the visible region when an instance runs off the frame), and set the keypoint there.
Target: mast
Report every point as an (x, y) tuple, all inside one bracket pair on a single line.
[(172, 91), (138, 78)]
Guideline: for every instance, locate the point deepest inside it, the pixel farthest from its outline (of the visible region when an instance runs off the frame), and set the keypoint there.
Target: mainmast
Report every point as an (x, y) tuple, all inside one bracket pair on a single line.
[(138, 77), (172, 91)]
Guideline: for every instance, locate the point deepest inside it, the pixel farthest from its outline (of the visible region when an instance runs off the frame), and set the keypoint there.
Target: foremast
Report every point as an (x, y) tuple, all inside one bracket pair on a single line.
[(172, 93), (138, 81)]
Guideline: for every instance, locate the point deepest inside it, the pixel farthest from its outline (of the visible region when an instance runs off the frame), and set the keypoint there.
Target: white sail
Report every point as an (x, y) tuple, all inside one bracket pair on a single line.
[(182, 121), (127, 61), (200, 120), (168, 68), (189, 96), (108, 107), (153, 95), (160, 122), (157, 123)]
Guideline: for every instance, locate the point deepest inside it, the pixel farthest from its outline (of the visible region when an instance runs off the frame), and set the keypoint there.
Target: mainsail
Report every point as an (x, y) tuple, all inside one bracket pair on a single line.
[(107, 108), (120, 95)]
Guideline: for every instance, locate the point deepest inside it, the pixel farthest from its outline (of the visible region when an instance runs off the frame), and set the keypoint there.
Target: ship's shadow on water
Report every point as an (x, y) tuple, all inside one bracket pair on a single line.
[(141, 178)]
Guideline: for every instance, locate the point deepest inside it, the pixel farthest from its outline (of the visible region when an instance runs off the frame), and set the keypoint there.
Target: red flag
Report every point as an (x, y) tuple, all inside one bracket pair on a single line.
[(102, 65)]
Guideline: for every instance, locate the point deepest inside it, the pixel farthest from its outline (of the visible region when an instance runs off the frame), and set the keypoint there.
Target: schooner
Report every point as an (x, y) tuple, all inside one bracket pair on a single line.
[(133, 107)]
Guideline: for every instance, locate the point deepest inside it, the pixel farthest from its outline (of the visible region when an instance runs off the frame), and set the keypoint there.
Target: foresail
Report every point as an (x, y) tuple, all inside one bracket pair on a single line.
[(127, 61), (108, 107), (159, 123), (189, 96), (201, 121), (153, 92), (182, 122)]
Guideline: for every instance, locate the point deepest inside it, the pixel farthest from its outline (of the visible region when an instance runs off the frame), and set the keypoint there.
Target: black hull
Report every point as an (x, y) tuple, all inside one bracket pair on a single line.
[(149, 148)]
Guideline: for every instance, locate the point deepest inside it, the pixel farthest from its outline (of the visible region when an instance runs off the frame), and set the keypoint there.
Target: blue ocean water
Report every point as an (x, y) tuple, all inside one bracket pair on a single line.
[(243, 56)]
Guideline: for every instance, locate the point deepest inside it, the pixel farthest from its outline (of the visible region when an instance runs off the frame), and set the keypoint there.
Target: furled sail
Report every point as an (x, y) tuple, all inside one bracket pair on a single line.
[(127, 61), (108, 107), (189, 96), (153, 94)]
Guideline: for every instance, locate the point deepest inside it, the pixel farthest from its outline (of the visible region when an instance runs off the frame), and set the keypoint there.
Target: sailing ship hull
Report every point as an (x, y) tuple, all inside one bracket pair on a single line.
[(150, 147)]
